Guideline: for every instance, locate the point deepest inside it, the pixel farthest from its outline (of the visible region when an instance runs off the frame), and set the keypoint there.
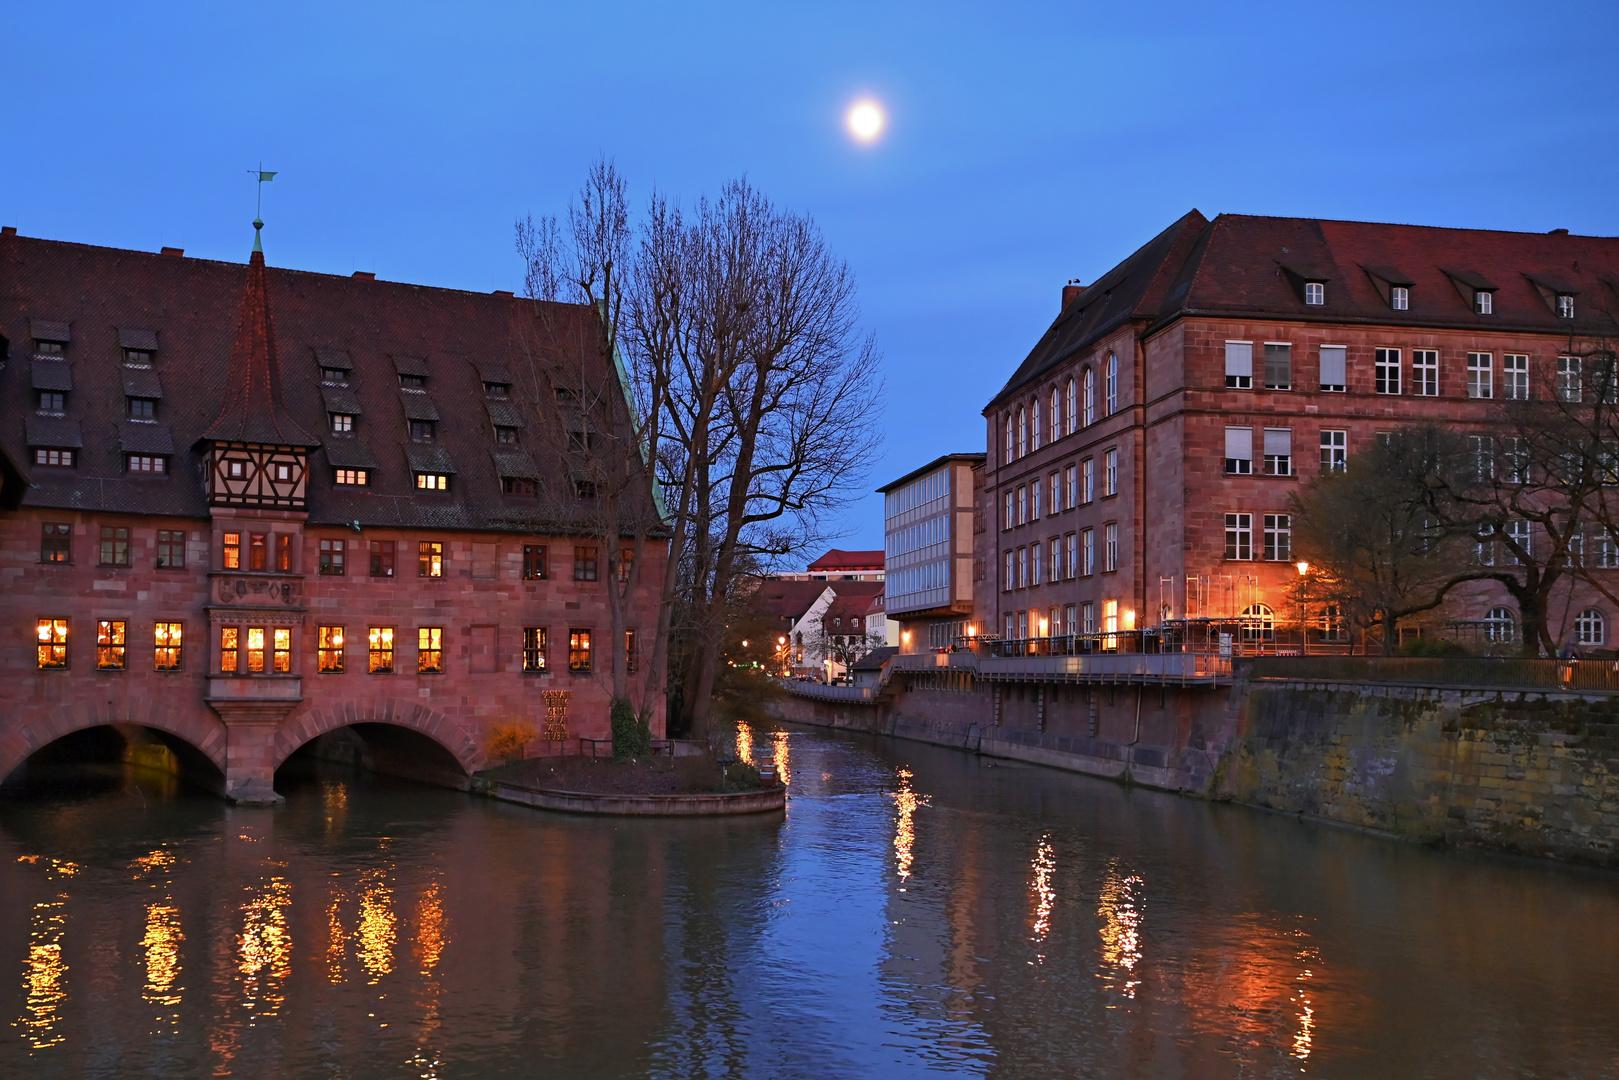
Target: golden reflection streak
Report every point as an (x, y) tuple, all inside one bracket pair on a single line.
[(1303, 1041), (376, 931), (336, 940), (44, 974), (906, 802), (156, 860), (1045, 893), (335, 801), (162, 948), (783, 767), (431, 937), (265, 947), (1121, 910), (744, 742)]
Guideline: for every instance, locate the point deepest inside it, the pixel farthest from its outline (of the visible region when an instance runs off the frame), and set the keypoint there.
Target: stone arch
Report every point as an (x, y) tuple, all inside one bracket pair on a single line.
[(205, 733), (414, 716)]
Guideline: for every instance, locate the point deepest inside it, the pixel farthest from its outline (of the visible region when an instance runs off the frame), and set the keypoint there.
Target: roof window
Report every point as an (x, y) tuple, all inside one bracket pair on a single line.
[(334, 375), (1484, 301), (141, 358), (1565, 306), (142, 408), (1315, 293), (49, 348), (498, 389), (1399, 298), (413, 382)]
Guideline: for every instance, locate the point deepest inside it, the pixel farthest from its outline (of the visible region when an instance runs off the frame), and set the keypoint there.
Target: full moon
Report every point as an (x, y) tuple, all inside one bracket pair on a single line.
[(865, 120)]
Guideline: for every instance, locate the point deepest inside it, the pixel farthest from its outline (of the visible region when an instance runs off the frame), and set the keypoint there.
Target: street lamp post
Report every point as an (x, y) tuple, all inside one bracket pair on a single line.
[(1304, 612)]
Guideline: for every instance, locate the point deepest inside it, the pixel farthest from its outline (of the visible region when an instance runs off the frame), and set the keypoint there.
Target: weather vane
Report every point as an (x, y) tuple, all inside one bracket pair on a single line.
[(258, 215)]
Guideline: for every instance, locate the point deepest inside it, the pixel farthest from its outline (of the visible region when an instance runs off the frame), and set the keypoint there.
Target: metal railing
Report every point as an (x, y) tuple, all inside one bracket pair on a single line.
[(1472, 671), (823, 692)]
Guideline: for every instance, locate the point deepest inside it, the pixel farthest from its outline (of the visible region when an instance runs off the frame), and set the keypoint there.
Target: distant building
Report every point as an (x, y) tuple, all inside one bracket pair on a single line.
[(823, 625), (839, 565), (928, 557)]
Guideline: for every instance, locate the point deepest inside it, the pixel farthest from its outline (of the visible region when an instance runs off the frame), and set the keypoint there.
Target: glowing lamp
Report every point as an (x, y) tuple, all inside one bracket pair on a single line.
[(1302, 567), (1129, 620)]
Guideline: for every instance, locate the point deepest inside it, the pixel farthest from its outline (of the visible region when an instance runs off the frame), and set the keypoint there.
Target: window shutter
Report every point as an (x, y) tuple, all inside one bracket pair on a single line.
[(1239, 358), (1278, 442), (1334, 365), (1239, 443)]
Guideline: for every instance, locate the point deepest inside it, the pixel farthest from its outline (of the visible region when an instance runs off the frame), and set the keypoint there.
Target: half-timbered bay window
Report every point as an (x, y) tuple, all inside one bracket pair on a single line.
[(380, 649), (579, 651), (533, 648), (51, 635), (430, 650), (255, 650), (168, 639), (110, 645), (329, 650)]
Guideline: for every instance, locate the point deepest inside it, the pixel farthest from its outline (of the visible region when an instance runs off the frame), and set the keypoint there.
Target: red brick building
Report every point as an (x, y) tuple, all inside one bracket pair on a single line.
[(243, 507), (1142, 455)]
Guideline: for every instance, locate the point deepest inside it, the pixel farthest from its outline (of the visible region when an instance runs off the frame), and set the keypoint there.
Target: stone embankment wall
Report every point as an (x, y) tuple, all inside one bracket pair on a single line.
[(1533, 773)]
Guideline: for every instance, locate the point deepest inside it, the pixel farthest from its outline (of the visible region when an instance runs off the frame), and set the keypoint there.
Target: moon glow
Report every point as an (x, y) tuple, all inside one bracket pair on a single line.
[(865, 120)]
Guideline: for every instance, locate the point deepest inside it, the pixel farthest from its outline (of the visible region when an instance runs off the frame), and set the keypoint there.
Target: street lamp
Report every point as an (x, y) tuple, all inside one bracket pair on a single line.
[(1304, 609)]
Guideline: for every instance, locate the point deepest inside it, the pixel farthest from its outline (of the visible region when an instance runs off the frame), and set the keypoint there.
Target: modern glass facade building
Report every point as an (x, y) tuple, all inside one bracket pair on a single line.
[(928, 551)]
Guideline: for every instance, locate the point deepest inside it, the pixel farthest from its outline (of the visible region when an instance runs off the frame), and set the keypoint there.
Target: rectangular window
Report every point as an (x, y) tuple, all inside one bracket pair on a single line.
[(281, 650), (1399, 298), (1009, 580), (1481, 448), (579, 651), (629, 651), (429, 559), (342, 423), (255, 650), (1111, 383), (1072, 562), (1515, 459), (1071, 480), (382, 558), (54, 458), (1515, 377), (1278, 451), (1069, 623), (1034, 563), (257, 551), (230, 640), (1110, 620), (1334, 450), (1022, 505), (430, 650), (1056, 558), (1520, 545), (1009, 511), (331, 557), (1569, 386), (283, 552), (52, 401), (232, 551), (1055, 486), (533, 562), (110, 645), (584, 489), (1087, 618), (1565, 306), (1110, 546), (380, 648), (1087, 483), (432, 481), (1239, 536), (1315, 293), (329, 650), (168, 641), (1087, 554), (1334, 368), (1011, 626), (1023, 624), (56, 544), (1425, 372), (1278, 366), (51, 636), (584, 564), (1278, 537), (421, 430), (145, 463), (352, 477), (626, 563), (1239, 365), (1110, 472), (1387, 371), (1484, 302), (1607, 553), (1603, 381), (1034, 501), (171, 549), (1023, 568), (517, 485), (142, 409), (1478, 375), (114, 545), (1239, 451), (533, 648)]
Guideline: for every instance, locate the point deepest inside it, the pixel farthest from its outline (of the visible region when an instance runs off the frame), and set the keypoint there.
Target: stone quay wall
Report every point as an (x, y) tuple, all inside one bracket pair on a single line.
[(1527, 772)]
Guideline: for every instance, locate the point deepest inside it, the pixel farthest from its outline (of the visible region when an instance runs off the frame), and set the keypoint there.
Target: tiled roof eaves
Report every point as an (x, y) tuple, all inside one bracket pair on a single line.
[(1482, 324), (1056, 359)]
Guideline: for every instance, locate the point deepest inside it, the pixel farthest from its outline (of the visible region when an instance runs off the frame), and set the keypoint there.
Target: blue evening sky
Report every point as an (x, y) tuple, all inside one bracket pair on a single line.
[(1028, 143)]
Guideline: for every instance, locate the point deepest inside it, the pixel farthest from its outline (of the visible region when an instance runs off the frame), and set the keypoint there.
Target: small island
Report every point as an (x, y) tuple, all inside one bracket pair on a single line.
[(656, 786)]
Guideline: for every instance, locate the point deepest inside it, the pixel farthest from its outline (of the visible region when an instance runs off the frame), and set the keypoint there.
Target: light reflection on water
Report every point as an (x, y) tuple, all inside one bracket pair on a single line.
[(1010, 921)]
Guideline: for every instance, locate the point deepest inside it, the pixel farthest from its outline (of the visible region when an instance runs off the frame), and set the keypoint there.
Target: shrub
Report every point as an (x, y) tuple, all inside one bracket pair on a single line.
[(631, 736), (507, 739)]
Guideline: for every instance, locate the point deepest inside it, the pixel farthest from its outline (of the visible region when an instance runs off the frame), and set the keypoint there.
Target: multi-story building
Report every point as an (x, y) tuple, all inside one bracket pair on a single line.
[(928, 555), (1142, 456), (241, 529)]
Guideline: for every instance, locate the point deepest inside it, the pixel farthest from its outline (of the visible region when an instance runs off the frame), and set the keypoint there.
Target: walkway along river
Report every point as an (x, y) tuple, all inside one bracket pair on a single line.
[(915, 911)]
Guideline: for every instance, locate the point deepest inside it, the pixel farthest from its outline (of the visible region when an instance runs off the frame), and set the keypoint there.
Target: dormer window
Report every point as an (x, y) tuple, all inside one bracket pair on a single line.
[(516, 485), (567, 394), (142, 408), (1315, 293), (432, 481), (506, 435), (141, 358), (1484, 301), (52, 401), (342, 423), (55, 459), (334, 375), (1400, 298), (146, 463), (413, 382), (498, 389), (421, 430), (1565, 306), (49, 348)]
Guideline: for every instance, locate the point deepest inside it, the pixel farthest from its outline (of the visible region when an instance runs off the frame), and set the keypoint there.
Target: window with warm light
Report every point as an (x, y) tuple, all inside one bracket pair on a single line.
[(430, 650), (579, 651), (429, 559), (255, 650), (258, 551), (329, 650), (533, 562), (281, 650), (380, 650), (51, 636), (230, 641), (110, 645), (534, 648), (432, 481), (56, 543), (168, 641)]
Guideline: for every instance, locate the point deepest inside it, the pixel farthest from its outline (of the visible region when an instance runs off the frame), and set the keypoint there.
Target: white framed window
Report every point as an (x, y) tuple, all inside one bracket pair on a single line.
[(1110, 619), (1334, 450), (1011, 626), (1087, 552), (1087, 618), (1481, 448), (1565, 306), (1387, 371), (1258, 623), (1605, 379), (1479, 375), (1515, 459), (1484, 301), (1069, 616), (1022, 431), (1022, 505), (1110, 547), (1239, 536), (1239, 451), (1110, 472), (1590, 628), (1400, 298), (1569, 385), (1055, 503), (1009, 443), (1315, 293), (1034, 500), (1056, 559), (1278, 365), (1071, 476), (1112, 387), (1087, 486), (1009, 578), (1425, 372), (1072, 414), (1484, 549), (1239, 365), (1023, 624), (1073, 557), (1034, 425), (1522, 542), (1607, 553), (1054, 420), (1277, 537), (1089, 403), (1515, 377), (1022, 567), (1278, 451), (1334, 368), (1035, 562), (1499, 625), (1010, 518)]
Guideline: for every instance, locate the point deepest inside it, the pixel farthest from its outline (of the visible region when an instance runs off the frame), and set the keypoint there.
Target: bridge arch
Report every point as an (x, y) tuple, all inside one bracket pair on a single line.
[(204, 733), (457, 739)]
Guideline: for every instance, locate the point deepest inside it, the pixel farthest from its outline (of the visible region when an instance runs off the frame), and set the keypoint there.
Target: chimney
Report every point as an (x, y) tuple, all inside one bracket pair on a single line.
[(1558, 232), (365, 275), (8, 230), (174, 253), (507, 293), (1069, 291)]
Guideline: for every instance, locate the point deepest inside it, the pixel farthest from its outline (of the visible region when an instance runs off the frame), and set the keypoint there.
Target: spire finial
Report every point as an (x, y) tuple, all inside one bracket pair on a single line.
[(258, 241), (258, 216)]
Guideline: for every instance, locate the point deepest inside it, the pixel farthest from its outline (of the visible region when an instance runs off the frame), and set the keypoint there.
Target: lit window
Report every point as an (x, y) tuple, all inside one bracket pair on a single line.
[(629, 649), (1258, 623), (145, 463), (432, 481), (255, 650), (584, 564), (60, 459), (342, 423), (114, 545), (380, 650), (281, 471), (353, 478), (329, 650), (1483, 301), (429, 559), (1239, 536), (1400, 298), (230, 641), (281, 649), (232, 550), (533, 648), (235, 469), (110, 645), (56, 544), (51, 635), (258, 550), (171, 549), (331, 556), (579, 651), (430, 650), (168, 640)]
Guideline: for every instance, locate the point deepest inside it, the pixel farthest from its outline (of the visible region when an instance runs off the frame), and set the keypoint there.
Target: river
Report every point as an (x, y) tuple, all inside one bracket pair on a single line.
[(916, 911)]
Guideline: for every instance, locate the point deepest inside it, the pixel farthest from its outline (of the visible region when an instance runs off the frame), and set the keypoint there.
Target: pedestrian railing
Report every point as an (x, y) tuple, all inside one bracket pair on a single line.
[(1472, 671), (822, 692)]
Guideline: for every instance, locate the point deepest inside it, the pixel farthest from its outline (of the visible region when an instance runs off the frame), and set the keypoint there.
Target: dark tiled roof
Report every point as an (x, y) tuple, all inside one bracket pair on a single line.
[(136, 437), (192, 308), (254, 411), (52, 374), (838, 559), (790, 599), (875, 659)]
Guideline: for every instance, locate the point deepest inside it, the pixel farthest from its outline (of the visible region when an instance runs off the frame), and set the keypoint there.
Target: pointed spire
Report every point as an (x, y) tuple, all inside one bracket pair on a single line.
[(254, 411)]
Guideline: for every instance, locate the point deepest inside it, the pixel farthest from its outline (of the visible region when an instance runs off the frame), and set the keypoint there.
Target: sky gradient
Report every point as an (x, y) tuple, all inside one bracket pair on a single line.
[(1027, 144)]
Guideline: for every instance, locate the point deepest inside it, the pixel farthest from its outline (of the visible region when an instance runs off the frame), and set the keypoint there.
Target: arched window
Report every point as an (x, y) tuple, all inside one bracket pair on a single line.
[(1073, 405), (1022, 431), (1258, 623), (1090, 396), (1008, 436), (1054, 420), (1591, 627), (1499, 625), (1112, 383), (1034, 425)]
